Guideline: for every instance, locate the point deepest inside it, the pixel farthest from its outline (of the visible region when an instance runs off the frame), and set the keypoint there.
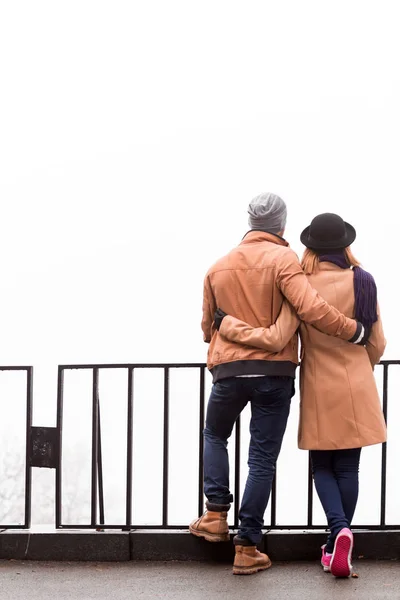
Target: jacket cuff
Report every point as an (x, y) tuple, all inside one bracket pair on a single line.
[(359, 334)]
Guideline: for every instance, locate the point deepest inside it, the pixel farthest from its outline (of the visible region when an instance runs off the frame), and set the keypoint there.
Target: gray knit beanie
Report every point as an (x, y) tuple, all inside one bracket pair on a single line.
[(267, 212)]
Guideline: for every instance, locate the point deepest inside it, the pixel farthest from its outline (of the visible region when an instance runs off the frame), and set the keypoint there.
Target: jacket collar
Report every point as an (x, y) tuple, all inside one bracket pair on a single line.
[(256, 235)]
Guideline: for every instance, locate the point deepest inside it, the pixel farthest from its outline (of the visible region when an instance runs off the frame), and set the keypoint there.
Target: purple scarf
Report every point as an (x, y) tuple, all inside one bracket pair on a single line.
[(365, 292)]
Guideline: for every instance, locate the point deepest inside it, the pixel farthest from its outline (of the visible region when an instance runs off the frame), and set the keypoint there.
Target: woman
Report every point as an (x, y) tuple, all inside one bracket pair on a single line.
[(340, 410)]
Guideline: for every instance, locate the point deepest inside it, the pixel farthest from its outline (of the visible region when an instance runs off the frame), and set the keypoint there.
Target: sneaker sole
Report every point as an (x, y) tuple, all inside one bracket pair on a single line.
[(210, 537), (251, 570), (341, 559)]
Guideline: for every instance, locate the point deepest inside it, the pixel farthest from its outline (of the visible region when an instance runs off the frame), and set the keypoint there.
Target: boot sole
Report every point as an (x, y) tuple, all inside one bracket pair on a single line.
[(210, 537), (251, 570)]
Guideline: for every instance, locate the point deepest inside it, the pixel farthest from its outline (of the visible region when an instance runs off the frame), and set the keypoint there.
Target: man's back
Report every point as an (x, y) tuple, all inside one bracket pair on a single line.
[(244, 283)]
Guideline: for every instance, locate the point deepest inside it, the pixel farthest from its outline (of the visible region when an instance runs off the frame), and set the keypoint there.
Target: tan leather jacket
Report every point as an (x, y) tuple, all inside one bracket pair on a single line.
[(251, 283)]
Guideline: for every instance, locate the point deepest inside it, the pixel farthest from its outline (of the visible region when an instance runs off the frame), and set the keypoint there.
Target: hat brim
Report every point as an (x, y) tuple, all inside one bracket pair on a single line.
[(339, 244)]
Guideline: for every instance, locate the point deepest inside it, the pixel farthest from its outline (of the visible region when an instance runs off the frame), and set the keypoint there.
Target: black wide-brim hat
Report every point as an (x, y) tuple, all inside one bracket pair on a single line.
[(328, 232)]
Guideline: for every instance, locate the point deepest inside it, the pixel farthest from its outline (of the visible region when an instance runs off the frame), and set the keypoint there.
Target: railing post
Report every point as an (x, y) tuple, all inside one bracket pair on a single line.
[(384, 446), (201, 442), (129, 450), (95, 444), (100, 466), (28, 468), (273, 498), (310, 493), (60, 398), (237, 473), (165, 448)]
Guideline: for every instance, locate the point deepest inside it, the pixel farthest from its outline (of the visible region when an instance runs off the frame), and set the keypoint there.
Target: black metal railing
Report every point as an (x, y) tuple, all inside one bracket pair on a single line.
[(25, 450), (43, 448), (97, 488), (98, 521)]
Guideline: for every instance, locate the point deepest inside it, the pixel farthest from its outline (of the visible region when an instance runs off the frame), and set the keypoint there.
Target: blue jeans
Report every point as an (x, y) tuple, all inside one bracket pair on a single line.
[(336, 481), (270, 405)]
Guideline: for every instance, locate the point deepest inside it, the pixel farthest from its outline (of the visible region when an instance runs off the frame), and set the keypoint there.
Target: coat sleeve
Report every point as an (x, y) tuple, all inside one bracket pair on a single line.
[(209, 308), (376, 342), (273, 338), (309, 305)]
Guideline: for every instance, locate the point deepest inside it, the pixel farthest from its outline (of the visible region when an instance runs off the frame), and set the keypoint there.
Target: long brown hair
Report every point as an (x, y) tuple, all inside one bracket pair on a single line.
[(310, 260)]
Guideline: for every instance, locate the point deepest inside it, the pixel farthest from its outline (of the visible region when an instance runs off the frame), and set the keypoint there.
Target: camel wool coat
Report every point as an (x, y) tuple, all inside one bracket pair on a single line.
[(339, 401)]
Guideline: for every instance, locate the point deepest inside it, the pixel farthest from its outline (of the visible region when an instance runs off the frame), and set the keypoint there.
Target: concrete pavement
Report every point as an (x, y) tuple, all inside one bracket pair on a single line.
[(192, 580)]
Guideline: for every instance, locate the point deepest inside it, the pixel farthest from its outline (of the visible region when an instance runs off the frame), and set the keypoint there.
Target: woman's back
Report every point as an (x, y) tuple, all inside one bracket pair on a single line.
[(340, 405), (336, 286)]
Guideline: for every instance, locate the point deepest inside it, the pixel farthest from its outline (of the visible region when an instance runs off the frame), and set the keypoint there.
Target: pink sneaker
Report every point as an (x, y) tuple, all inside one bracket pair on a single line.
[(341, 557), (326, 560)]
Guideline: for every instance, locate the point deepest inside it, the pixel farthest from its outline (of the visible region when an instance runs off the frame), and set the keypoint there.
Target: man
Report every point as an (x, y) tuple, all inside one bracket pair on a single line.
[(250, 283)]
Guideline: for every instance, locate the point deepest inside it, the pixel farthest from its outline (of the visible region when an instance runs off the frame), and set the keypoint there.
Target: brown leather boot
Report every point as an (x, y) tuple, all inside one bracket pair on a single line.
[(249, 560), (213, 524)]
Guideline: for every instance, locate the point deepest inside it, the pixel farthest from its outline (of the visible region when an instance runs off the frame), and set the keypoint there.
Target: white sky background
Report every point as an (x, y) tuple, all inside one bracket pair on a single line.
[(134, 134)]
